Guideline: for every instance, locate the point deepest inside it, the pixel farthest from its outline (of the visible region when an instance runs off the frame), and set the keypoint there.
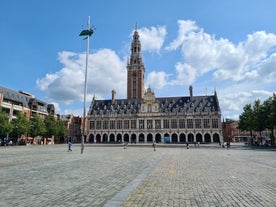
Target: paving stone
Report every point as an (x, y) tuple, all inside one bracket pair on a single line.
[(111, 176)]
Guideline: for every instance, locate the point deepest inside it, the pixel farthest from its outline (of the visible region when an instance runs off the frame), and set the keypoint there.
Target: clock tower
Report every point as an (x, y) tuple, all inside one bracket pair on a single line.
[(135, 70)]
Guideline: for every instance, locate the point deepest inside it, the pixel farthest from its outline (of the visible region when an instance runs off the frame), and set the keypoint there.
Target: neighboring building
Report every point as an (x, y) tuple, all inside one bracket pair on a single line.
[(14, 101), (143, 117), (232, 133), (230, 130), (73, 125)]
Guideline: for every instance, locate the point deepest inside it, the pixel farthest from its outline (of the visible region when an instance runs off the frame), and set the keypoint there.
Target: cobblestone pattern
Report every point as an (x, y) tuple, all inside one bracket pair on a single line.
[(208, 176), (50, 176)]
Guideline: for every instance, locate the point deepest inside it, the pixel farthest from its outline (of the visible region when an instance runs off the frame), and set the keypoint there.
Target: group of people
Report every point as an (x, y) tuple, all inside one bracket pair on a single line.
[(196, 144), (125, 144)]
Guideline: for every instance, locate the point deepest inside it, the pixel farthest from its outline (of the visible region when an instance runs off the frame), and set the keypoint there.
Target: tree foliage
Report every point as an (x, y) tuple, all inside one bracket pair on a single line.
[(61, 131), (21, 125), (259, 117), (5, 125), (246, 119), (37, 126), (50, 123)]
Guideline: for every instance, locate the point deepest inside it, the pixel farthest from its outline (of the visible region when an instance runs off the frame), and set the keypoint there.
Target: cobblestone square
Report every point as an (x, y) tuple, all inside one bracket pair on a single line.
[(137, 176)]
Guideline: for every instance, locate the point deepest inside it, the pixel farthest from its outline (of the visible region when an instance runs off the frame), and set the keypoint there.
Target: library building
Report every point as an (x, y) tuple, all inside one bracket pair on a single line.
[(142, 117)]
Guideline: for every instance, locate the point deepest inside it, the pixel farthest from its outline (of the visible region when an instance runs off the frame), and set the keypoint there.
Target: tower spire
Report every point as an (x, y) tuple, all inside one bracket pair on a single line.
[(135, 69)]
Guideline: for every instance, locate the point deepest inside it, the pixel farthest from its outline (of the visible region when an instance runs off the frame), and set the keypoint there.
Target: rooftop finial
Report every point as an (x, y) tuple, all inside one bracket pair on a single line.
[(136, 26)]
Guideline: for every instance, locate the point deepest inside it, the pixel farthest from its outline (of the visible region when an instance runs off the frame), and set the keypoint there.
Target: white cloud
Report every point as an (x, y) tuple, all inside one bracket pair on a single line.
[(267, 69), (57, 107), (185, 27), (227, 61), (156, 80), (234, 97), (106, 71), (48, 80), (185, 74), (152, 39), (257, 46)]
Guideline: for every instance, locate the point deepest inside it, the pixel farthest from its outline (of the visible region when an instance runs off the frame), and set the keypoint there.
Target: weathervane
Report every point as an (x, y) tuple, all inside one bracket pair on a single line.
[(87, 32)]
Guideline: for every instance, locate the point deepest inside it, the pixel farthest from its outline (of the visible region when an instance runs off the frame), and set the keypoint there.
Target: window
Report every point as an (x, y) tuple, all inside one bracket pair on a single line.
[(190, 124), (181, 123), (133, 124), (198, 123), (126, 124), (98, 125), (166, 123), (105, 124), (158, 124), (141, 124), (119, 124), (92, 124), (174, 123), (215, 123), (206, 123), (112, 124), (149, 124)]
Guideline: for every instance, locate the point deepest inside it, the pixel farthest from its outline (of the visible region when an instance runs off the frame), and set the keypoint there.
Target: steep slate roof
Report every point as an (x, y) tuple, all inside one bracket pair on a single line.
[(21, 98), (14, 96), (184, 105)]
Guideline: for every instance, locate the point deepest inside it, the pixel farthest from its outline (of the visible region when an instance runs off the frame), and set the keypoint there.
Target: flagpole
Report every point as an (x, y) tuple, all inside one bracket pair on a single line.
[(88, 33)]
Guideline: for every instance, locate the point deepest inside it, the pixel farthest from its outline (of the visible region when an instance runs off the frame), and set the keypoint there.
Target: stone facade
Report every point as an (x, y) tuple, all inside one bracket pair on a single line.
[(143, 117)]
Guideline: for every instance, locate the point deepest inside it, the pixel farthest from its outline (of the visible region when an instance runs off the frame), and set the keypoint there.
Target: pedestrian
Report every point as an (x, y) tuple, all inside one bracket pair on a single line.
[(187, 145), (69, 146), (125, 145), (154, 146), (228, 145), (198, 144)]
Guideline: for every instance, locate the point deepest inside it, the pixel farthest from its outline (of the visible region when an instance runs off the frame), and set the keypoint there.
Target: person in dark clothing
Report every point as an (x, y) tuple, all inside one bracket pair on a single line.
[(69, 146)]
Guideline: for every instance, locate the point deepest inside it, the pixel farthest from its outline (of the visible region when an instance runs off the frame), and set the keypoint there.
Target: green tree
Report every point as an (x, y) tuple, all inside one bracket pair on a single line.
[(21, 125), (270, 115), (61, 131), (37, 126), (259, 117), (273, 116), (51, 126), (5, 125), (246, 122)]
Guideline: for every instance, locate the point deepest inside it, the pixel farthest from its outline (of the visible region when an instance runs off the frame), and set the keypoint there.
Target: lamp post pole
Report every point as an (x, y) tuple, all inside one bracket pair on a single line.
[(86, 33)]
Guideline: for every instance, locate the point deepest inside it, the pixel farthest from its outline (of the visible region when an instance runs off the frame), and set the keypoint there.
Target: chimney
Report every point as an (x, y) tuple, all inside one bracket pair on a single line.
[(113, 96), (191, 91)]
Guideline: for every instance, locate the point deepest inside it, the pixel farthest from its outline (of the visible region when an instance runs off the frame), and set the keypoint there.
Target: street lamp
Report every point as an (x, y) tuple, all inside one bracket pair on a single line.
[(87, 33)]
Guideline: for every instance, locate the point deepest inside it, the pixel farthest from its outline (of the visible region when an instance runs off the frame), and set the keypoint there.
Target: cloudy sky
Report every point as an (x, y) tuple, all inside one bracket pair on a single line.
[(227, 46)]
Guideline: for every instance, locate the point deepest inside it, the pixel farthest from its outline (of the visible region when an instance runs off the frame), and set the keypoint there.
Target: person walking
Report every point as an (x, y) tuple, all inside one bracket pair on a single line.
[(154, 146), (187, 145), (69, 146), (125, 144)]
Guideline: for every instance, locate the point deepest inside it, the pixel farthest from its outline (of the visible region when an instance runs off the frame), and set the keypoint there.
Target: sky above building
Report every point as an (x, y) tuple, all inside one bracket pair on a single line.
[(223, 46)]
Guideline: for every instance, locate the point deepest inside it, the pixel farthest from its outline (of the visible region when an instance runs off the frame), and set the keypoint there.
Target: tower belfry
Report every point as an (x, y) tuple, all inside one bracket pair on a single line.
[(135, 70)]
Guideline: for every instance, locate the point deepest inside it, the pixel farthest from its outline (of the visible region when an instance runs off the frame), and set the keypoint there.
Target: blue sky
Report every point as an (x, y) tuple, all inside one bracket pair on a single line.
[(227, 46)]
